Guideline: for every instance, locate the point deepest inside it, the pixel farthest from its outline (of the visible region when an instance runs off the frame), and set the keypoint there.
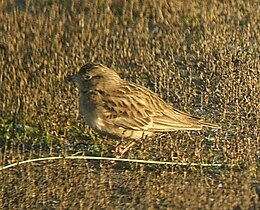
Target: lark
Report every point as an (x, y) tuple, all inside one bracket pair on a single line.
[(120, 109)]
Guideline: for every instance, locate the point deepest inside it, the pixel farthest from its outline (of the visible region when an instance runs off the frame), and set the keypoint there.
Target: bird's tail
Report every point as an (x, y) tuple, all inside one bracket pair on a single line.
[(210, 125)]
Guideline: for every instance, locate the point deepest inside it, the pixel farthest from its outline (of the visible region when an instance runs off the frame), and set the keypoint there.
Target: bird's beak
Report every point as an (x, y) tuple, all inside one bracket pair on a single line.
[(70, 78)]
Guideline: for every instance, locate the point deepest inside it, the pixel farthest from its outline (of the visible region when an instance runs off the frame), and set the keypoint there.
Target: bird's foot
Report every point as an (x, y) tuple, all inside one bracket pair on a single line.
[(121, 149)]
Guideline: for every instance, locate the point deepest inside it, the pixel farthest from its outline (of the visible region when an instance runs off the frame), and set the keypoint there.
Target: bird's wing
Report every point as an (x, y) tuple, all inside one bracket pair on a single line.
[(137, 108)]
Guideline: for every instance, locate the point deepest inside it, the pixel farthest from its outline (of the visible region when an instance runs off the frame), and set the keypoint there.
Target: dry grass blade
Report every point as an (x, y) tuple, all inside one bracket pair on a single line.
[(121, 160)]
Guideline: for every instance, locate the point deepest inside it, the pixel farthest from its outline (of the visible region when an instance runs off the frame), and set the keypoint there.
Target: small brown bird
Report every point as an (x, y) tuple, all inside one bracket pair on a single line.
[(120, 109)]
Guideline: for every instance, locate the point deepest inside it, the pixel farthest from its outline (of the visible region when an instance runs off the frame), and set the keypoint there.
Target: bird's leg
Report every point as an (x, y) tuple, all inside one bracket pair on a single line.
[(122, 149), (127, 147), (118, 148)]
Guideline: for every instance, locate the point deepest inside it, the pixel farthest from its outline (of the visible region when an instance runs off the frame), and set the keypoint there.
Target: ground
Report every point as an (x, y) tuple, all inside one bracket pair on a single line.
[(201, 56)]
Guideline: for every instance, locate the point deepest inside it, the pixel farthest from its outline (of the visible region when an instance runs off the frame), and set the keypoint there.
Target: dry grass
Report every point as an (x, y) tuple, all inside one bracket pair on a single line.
[(202, 56)]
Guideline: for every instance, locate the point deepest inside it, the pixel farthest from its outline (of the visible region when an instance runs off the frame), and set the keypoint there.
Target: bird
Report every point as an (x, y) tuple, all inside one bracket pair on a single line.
[(119, 109)]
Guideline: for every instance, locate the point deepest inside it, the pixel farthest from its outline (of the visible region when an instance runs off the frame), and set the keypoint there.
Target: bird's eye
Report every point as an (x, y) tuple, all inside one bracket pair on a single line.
[(87, 76)]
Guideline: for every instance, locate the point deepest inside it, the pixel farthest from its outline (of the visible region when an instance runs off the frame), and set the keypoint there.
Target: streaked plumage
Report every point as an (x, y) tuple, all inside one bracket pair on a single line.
[(120, 109)]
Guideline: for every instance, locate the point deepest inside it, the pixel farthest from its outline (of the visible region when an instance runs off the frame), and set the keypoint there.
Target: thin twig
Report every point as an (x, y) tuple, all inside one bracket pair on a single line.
[(122, 160)]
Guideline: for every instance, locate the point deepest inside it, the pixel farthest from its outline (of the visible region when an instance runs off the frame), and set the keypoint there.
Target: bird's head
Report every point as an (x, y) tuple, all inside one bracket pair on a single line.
[(93, 76)]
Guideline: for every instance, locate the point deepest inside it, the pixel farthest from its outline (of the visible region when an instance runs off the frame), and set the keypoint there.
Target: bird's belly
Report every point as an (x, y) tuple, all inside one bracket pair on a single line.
[(135, 134), (94, 118), (116, 132)]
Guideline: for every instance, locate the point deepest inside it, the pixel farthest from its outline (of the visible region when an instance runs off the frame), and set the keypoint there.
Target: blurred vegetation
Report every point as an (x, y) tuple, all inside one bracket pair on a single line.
[(201, 56)]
